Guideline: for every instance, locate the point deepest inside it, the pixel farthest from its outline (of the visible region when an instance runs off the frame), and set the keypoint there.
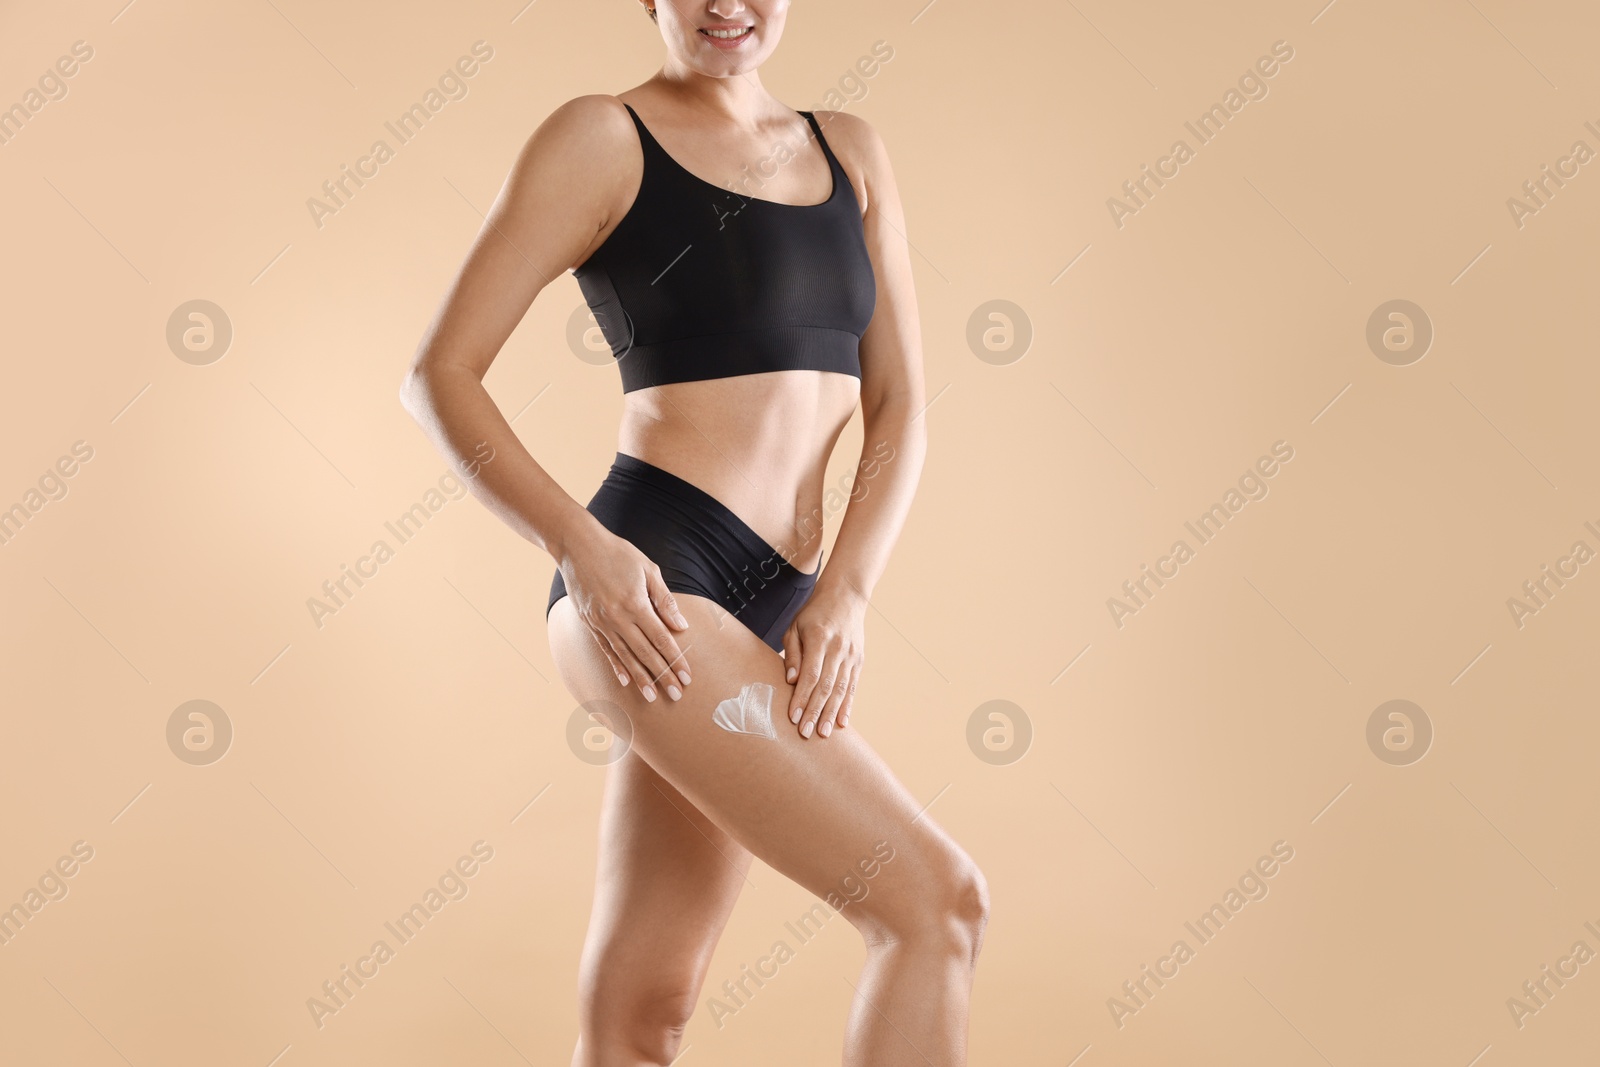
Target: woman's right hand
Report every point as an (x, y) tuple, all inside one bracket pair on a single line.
[(623, 600)]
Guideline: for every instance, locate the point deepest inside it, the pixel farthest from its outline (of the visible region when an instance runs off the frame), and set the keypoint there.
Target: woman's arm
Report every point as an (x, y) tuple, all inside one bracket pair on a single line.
[(559, 195), (824, 646)]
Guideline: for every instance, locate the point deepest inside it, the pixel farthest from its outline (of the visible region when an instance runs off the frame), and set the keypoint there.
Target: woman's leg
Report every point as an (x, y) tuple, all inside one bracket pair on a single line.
[(814, 810), (667, 879)]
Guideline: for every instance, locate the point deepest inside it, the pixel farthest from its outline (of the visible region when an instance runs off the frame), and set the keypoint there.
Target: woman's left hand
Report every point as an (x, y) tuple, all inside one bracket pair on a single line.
[(822, 652)]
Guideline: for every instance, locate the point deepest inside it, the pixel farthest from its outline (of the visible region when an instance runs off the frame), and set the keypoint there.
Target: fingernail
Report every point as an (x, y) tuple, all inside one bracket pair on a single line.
[(791, 674), (794, 716), (827, 728), (674, 692), (683, 676), (649, 692), (805, 731)]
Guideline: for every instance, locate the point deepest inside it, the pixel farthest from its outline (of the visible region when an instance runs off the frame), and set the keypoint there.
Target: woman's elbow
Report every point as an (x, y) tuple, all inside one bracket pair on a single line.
[(897, 414), (414, 390)]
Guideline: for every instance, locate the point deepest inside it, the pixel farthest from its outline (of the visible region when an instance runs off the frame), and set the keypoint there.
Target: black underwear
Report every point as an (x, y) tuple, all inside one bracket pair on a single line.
[(700, 546)]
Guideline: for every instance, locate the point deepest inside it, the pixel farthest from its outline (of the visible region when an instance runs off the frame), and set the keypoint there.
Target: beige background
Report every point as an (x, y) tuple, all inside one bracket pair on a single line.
[(1230, 713)]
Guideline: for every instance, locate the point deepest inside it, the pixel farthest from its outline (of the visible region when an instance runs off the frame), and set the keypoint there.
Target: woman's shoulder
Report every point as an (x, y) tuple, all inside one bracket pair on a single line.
[(852, 136), (586, 136), (584, 155), (593, 115), (858, 147)]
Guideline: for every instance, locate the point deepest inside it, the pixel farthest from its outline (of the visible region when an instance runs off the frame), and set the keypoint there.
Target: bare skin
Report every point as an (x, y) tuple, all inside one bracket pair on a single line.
[(689, 804)]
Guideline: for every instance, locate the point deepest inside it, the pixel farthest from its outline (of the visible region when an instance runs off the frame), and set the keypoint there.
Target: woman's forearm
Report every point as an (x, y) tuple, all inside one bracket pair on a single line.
[(451, 405), (893, 448)]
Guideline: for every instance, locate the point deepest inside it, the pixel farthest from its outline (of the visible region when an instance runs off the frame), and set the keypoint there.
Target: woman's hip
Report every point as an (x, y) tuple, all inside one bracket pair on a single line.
[(701, 546)]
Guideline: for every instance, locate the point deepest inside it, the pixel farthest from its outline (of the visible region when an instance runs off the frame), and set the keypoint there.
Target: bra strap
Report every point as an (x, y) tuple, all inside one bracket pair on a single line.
[(638, 124), (827, 150)]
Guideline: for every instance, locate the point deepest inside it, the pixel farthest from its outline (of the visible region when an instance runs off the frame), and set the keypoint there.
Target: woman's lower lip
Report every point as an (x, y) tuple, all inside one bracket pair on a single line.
[(729, 42)]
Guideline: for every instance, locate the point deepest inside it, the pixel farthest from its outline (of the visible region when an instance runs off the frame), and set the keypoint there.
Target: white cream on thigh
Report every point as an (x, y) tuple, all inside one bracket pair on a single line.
[(748, 713)]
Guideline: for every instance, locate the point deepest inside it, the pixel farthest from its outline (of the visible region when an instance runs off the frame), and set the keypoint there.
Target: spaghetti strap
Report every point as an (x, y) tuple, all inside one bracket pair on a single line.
[(637, 121), (823, 141)]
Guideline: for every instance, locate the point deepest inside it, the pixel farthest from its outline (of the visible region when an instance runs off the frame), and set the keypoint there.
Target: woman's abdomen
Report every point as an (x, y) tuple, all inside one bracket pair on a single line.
[(758, 443)]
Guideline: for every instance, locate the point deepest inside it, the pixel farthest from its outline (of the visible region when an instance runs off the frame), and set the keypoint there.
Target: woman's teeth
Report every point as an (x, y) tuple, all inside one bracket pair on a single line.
[(726, 35)]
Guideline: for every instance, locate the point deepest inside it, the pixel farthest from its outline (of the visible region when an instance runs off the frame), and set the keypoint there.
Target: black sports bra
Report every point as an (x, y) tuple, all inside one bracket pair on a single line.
[(697, 281)]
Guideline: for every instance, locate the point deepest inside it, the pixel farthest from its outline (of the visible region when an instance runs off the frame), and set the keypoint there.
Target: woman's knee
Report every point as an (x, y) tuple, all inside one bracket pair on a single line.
[(967, 908), (976, 907), (637, 1016), (949, 911)]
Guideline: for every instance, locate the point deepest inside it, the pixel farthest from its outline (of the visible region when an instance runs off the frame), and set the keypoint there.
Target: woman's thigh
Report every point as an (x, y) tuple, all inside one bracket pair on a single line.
[(816, 810), (666, 881)]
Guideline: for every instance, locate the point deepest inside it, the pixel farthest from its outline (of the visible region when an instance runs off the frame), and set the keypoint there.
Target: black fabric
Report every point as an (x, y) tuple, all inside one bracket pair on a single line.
[(697, 281), (700, 546)]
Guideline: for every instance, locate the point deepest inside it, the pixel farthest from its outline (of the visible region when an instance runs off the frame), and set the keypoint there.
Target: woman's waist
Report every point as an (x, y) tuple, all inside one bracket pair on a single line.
[(774, 488)]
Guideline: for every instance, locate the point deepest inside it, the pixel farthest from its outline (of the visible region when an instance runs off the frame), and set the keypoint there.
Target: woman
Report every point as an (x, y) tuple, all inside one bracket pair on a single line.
[(747, 329)]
